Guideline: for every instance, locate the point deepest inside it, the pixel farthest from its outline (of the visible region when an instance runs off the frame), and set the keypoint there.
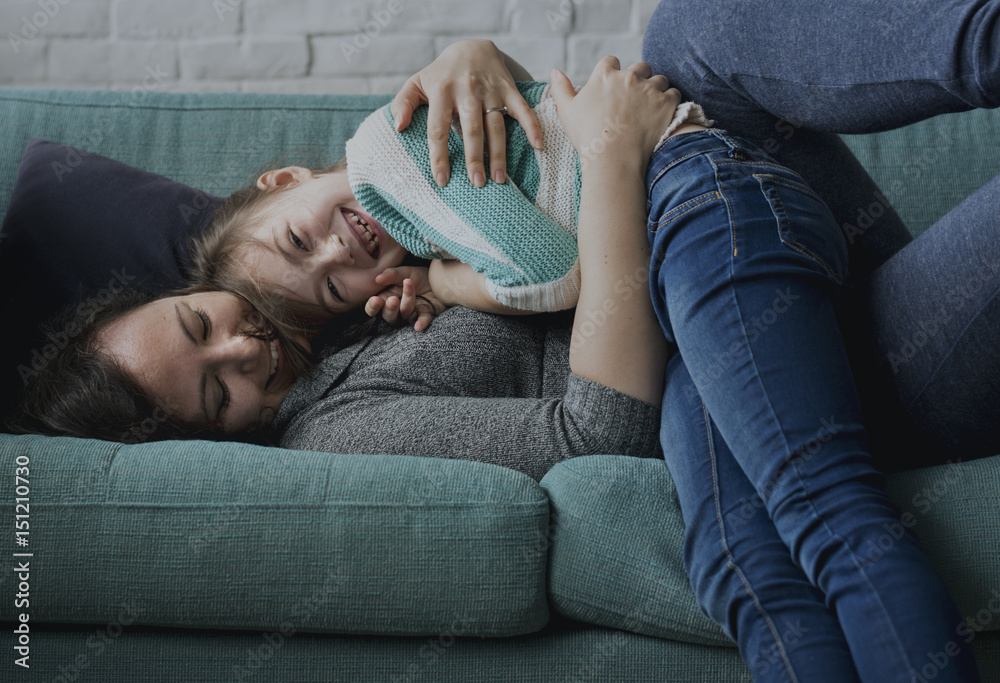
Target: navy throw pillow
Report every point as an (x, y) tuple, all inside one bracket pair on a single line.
[(80, 225)]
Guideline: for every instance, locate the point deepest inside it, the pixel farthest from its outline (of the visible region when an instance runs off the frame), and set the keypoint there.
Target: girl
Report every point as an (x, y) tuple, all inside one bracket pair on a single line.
[(329, 240)]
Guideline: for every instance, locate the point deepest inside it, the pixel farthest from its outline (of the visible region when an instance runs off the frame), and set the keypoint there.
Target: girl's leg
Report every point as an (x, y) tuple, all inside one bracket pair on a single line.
[(746, 263), (925, 330), (788, 74), (741, 571)]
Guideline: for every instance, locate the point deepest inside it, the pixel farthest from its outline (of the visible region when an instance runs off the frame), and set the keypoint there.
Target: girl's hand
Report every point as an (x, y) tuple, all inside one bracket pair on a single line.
[(617, 112), (467, 78), (407, 298)]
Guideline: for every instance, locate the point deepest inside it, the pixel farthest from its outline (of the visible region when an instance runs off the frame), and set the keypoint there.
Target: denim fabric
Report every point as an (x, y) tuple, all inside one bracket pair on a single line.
[(791, 74), (747, 263), (922, 322)]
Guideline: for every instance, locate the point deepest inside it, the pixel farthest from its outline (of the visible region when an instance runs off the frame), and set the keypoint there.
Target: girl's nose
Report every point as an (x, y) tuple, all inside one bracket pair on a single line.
[(334, 252)]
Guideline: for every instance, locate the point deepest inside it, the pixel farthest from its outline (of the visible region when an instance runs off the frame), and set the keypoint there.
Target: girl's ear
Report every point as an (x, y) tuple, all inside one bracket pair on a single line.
[(280, 177)]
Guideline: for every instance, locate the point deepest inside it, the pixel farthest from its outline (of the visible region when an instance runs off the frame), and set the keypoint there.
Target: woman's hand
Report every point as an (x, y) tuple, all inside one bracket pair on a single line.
[(617, 112), (468, 77), (407, 298)]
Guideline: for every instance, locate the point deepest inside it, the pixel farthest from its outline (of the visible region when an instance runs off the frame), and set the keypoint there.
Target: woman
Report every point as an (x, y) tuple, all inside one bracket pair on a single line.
[(572, 395)]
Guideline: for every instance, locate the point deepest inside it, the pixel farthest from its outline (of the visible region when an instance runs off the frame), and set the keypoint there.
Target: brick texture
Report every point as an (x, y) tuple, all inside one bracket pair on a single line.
[(297, 46)]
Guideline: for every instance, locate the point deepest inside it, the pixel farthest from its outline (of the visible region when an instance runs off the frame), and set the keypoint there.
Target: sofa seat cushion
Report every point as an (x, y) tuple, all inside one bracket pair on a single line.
[(247, 537), (615, 543)]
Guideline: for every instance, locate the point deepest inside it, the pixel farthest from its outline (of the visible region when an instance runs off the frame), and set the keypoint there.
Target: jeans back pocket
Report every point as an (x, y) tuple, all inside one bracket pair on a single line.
[(805, 223)]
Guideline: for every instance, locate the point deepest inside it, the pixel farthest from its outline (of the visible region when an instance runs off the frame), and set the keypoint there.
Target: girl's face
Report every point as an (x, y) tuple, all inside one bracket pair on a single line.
[(322, 248), (193, 361)]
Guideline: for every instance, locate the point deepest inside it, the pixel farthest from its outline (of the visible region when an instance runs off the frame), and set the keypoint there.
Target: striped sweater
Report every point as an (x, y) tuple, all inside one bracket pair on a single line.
[(521, 234)]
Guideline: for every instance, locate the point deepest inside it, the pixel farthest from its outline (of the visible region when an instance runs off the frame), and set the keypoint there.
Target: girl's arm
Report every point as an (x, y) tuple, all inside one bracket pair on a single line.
[(457, 284), (617, 340)]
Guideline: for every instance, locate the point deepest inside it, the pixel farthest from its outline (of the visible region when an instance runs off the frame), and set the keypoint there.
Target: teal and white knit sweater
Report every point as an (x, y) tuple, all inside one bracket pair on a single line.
[(520, 234)]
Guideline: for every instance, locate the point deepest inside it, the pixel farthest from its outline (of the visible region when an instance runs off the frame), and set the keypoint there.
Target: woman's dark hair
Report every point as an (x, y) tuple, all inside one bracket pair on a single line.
[(83, 391)]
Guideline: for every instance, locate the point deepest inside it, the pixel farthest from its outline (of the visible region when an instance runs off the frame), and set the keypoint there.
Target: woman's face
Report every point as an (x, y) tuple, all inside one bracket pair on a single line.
[(191, 358), (318, 249)]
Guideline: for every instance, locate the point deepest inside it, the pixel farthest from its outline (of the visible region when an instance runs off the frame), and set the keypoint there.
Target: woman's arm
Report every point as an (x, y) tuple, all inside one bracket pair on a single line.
[(467, 78), (617, 340)]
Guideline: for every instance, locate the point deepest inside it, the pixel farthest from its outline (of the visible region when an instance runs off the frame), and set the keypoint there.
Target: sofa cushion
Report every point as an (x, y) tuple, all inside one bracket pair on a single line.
[(927, 168), (615, 543), (237, 536)]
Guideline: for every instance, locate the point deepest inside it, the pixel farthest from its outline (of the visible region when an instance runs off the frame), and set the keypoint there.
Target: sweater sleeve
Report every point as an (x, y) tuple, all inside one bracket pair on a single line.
[(530, 261), (526, 434)]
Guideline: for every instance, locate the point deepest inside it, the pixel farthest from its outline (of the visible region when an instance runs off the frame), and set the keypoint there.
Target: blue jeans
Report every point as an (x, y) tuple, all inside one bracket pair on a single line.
[(760, 405), (921, 318)]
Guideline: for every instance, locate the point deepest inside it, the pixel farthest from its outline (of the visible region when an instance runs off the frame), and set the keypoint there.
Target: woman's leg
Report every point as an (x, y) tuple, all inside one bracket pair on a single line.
[(921, 334), (788, 74), (746, 262), (923, 339), (741, 572)]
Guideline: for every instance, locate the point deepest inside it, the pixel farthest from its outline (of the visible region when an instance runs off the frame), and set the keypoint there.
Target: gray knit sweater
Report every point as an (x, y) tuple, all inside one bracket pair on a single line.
[(473, 386)]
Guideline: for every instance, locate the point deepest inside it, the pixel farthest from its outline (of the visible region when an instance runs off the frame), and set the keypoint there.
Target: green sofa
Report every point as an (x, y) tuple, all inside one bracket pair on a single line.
[(200, 561)]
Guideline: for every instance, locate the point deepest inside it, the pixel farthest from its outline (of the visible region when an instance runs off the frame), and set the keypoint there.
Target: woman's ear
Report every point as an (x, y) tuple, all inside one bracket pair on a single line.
[(280, 177)]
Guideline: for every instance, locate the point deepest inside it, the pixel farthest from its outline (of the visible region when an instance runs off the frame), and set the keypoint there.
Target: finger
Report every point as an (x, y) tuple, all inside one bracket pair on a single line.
[(674, 94), (496, 136), (438, 126), (373, 306), (470, 112), (519, 110), (408, 303), (560, 88), (424, 321), (409, 97), (641, 69), (391, 311), (391, 276), (608, 62), (661, 82)]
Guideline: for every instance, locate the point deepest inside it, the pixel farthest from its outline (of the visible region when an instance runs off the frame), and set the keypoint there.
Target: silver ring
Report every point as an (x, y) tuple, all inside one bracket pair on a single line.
[(502, 110)]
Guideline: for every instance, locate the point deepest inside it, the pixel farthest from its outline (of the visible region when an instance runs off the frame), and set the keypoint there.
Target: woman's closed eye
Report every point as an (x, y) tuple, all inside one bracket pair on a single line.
[(223, 403), (206, 330), (206, 324)]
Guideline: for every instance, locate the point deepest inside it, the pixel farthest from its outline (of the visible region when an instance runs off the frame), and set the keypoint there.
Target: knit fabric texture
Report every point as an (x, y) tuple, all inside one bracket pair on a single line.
[(473, 386), (521, 234)]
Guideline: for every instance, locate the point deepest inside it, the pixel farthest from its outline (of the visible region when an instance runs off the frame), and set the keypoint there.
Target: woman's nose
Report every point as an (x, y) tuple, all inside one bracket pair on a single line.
[(245, 355)]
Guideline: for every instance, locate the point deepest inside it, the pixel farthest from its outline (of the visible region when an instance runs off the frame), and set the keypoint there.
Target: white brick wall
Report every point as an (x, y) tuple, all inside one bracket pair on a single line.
[(297, 46)]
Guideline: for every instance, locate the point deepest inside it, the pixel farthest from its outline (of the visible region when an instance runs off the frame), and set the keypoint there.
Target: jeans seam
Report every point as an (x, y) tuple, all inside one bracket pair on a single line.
[(951, 348), (678, 160), (730, 560), (826, 525), (676, 212)]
